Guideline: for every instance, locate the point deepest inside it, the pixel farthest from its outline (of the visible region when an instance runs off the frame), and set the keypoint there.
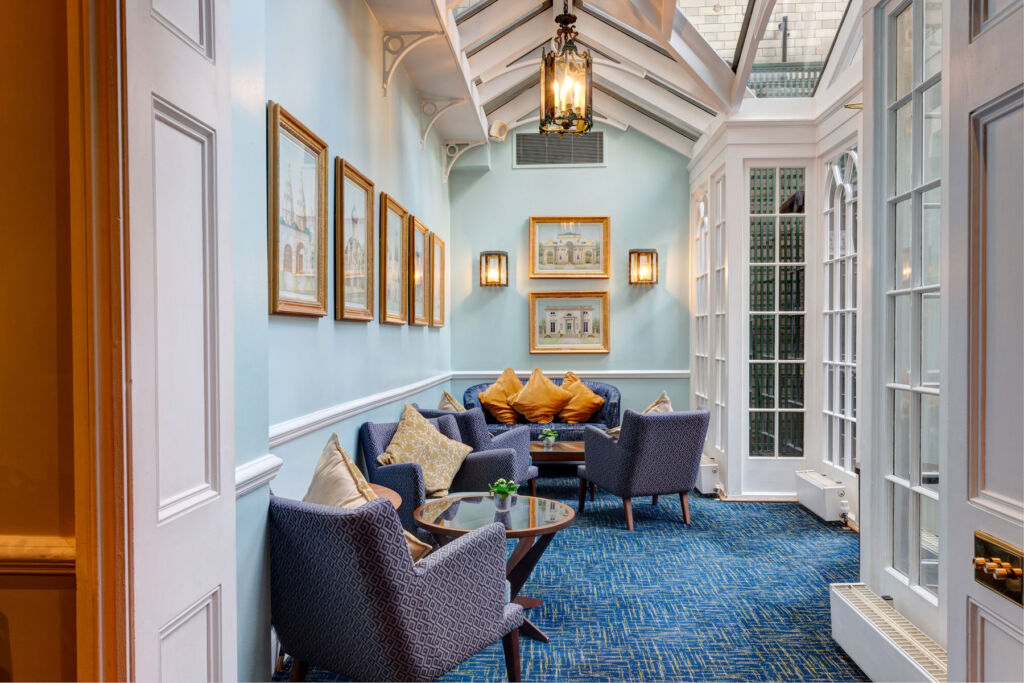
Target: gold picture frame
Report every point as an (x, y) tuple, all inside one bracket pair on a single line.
[(419, 275), (296, 242), (437, 281), (353, 246), (563, 247), (581, 327), (394, 261)]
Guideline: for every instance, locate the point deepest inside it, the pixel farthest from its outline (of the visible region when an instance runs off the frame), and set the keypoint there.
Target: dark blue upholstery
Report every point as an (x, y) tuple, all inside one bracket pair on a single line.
[(479, 469), (655, 454), (345, 595), (605, 418)]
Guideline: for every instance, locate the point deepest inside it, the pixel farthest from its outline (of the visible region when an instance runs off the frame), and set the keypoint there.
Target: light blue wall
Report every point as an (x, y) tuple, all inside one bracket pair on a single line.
[(643, 189), (322, 62)]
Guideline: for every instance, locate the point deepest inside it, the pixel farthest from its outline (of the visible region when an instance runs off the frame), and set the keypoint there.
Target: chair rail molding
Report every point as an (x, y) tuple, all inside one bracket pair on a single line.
[(252, 475), (288, 430), (28, 554), (585, 374)]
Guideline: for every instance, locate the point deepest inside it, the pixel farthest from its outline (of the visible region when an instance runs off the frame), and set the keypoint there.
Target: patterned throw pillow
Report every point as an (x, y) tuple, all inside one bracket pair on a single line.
[(418, 441), (339, 483), (583, 403), (449, 402), (662, 404), (541, 399), (495, 397)]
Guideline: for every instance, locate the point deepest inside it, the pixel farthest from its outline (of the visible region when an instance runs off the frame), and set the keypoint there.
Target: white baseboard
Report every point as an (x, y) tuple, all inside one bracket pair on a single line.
[(255, 473)]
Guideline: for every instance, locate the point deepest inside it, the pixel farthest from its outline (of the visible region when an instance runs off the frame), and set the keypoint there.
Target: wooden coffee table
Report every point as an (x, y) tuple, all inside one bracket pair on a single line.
[(561, 451), (534, 521), (390, 494)]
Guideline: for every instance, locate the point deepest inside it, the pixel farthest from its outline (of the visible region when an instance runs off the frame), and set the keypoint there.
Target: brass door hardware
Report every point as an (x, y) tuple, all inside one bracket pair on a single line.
[(998, 566)]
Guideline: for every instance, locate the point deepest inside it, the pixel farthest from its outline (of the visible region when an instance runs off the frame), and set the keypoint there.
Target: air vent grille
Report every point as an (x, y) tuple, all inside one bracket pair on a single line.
[(535, 149)]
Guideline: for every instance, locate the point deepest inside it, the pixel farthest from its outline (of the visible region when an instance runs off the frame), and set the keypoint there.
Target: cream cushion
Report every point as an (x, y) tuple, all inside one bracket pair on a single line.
[(449, 402), (339, 483), (662, 404), (418, 441)]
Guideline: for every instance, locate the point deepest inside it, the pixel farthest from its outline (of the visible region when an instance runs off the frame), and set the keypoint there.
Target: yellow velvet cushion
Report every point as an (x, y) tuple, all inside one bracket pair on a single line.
[(449, 402), (541, 399), (495, 397), (418, 441), (583, 403), (339, 483)]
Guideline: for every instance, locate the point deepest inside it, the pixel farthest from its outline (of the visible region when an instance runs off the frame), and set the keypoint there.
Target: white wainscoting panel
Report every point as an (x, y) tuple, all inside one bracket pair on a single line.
[(186, 637)]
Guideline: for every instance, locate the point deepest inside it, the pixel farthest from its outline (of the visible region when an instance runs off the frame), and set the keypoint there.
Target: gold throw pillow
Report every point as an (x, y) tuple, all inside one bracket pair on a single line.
[(584, 401), (541, 399), (449, 402), (495, 397), (662, 404), (416, 440)]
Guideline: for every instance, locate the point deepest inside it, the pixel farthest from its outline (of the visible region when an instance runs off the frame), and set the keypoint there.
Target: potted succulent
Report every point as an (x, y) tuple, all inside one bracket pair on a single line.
[(503, 490), (548, 436)]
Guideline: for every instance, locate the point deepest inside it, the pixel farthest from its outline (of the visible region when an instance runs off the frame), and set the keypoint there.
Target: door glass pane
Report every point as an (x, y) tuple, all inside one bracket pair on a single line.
[(791, 434), (903, 341), (762, 337), (930, 312), (903, 134), (762, 385), (791, 385), (931, 134), (931, 203), (903, 51), (762, 288), (930, 441), (902, 253), (929, 512), (900, 528), (901, 434), (791, 288), (762, 435), (791, 337), (762, 239), (791, 239), (932, 39)]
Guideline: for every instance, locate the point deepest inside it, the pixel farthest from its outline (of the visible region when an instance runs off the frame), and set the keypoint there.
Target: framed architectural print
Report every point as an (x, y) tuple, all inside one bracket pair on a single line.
[(437, 266), (296, 215), (353, 243), (394, 261), (569, 322), (569, 247), (419, 293)]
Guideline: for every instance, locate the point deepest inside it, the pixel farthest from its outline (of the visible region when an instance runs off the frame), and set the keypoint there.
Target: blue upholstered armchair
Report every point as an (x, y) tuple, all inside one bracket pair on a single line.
[(345, 595), (473, 430), (655, 454), (605, 418), (479, 469)]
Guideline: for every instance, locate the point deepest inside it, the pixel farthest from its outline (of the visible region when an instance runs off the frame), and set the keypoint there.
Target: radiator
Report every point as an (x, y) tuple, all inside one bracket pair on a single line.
[(883, 643), (821, 495), (707, 476)]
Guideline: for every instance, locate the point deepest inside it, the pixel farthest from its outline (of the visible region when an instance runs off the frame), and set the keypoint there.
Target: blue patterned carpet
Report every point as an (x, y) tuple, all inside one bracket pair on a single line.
[(741, 594)]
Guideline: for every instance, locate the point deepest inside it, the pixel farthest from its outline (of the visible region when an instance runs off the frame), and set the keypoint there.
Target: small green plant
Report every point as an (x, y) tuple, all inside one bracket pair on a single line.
[(549, 434), (503, 488)]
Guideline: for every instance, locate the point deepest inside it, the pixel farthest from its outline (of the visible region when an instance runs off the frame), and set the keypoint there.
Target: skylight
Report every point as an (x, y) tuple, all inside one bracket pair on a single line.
[(721, 22), (467, 5)]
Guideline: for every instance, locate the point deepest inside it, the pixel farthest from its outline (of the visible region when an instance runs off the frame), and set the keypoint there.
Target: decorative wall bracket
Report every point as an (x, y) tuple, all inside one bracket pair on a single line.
[(431, 109), (397, 44), (452, 152)]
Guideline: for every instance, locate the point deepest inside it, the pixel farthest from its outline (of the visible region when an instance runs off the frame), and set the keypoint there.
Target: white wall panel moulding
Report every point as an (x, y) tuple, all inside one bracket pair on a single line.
[(255, 473), (283, 432)]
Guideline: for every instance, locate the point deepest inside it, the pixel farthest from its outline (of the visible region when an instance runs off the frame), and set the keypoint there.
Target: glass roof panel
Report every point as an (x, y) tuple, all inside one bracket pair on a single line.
[(467, 5), (721, 22), (796, 45)]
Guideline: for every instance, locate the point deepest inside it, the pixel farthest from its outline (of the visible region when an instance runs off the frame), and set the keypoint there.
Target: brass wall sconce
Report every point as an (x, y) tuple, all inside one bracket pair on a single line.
[(494, 269), (643, 266)]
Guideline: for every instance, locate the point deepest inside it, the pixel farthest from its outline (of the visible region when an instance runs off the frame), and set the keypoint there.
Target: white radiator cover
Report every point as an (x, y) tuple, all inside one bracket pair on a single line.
[(821, 495), (707, 477)]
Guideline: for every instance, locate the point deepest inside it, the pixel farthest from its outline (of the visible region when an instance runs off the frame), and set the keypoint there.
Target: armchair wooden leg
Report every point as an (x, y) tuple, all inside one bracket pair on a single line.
[(510, 642), (654, 499), (583, 494), (593, 490), (300, 668), (627, 506), (533, 487), (686, 507)]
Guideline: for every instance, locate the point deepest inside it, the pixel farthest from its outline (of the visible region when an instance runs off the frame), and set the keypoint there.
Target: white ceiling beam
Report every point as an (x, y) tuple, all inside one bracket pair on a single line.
[(848, 40), (654, 97), (648, 126), (650, 17), (502, 51), (512, 111), (493, 19), (760, 14), (690, 48)]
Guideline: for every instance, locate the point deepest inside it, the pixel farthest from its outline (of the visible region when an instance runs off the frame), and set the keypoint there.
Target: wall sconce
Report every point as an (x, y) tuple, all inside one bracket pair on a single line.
[(643, 266), (494, 269)]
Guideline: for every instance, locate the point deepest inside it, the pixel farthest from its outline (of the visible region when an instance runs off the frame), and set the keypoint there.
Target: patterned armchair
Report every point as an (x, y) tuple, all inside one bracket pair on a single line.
[(345, 595), (473, 430), (478, 469), (655, 454), (605, 418)]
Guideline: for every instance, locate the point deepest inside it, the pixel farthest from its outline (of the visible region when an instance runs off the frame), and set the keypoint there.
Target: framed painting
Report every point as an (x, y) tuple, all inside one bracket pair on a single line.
[(353, 243), (296, 215), (568, 322), (394, 261), (419, 255), (569, 247), (437, 266)]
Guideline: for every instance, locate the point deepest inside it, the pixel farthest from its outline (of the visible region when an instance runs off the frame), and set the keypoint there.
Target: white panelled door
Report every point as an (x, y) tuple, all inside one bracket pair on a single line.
[(984, 323), (181, 366)]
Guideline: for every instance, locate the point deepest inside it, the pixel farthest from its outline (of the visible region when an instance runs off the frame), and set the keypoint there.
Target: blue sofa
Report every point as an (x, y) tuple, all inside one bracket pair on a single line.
[(605, 418)]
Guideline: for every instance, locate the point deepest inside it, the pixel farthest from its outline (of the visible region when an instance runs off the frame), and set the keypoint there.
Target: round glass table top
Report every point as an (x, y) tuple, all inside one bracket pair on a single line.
[(525, 516)]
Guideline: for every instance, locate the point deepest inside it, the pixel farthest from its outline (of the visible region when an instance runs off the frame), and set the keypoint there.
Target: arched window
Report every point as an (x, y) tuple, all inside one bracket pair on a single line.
[(840, 359), (286, 266)]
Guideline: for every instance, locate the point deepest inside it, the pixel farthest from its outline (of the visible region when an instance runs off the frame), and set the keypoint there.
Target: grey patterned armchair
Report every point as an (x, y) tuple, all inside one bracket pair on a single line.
[(655, 454), (479, 469), (345, 595)]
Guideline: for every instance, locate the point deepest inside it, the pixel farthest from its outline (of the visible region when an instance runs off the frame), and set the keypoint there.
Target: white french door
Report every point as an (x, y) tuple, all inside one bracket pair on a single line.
[(182, 545)]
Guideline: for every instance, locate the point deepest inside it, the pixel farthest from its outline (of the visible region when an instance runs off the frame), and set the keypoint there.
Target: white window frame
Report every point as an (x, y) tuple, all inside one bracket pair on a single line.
[(719, 313), (701, 308)]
